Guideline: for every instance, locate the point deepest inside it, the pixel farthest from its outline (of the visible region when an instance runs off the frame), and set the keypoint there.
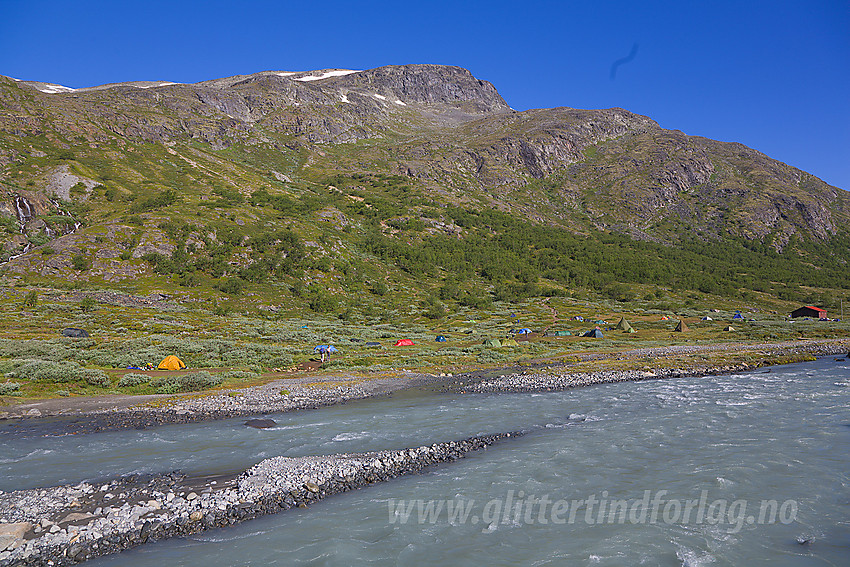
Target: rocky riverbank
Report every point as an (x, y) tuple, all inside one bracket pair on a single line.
[(275, 397), (552, 381), (69, 524)]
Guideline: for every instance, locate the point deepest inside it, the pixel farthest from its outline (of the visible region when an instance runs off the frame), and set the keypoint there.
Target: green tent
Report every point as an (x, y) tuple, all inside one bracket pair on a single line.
[(492, 343), (630, 330), (563, 334), (509, 342), (623, 325)]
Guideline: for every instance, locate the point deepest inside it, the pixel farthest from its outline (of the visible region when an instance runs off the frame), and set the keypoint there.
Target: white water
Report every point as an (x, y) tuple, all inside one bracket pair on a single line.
[(782, 435)]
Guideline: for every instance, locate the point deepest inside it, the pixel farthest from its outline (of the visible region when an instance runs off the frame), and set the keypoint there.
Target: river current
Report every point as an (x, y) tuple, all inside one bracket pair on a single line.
[(745, 469)]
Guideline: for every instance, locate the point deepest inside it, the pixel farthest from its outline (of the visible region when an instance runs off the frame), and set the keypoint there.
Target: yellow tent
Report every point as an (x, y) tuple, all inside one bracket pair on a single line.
[(171, 362)]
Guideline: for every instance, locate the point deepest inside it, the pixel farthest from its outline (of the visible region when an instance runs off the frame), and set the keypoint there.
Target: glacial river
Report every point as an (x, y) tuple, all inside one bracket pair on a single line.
[(746, 469)]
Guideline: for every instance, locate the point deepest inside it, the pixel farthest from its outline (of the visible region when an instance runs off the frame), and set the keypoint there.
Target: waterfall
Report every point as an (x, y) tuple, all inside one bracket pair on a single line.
[(66, 214), (24, 251), (23, 210)]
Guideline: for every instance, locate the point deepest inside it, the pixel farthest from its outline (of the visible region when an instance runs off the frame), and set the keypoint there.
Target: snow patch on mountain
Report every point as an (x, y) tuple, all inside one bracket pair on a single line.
[(326, 75), (163, 84), (50, 88)]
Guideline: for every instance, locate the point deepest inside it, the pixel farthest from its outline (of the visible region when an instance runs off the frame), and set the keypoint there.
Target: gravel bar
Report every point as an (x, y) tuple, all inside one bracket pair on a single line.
[(251, 401), (65, 525), (553, 381)]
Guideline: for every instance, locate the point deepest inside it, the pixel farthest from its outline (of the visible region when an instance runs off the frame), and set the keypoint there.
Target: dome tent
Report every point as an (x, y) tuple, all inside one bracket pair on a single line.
[(171, 362)]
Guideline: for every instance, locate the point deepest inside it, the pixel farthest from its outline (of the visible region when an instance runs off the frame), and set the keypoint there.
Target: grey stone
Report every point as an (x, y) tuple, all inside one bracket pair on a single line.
[(76, 517), (261, 423)]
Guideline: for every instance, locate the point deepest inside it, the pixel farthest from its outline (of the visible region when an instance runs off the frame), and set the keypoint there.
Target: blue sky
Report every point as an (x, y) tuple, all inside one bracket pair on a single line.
[(772, 75)]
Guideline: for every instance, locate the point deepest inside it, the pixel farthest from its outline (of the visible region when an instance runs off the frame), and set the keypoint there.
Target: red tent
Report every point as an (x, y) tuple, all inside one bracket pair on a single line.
[(404, 342)]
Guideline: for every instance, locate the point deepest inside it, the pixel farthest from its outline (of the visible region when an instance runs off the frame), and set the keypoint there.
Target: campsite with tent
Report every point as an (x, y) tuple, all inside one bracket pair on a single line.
[(237, 351)]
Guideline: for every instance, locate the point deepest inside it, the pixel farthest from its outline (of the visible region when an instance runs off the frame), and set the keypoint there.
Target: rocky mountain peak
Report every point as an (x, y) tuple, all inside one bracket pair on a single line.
[(428, 84)]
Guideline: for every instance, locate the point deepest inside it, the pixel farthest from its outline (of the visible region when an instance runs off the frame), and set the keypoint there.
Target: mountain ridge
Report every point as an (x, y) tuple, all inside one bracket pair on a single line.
[(449, 139)]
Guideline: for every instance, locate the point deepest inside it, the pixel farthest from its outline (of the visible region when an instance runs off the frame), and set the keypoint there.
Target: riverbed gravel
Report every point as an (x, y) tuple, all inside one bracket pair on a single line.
[(558, 380), (68, 524)]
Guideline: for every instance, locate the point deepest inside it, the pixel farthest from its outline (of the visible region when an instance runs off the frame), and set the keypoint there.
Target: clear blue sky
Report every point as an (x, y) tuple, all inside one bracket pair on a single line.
[(774, 75)]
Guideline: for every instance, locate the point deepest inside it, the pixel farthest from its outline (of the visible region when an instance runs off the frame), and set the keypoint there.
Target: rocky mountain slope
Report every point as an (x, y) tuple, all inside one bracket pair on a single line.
[(327, 154)]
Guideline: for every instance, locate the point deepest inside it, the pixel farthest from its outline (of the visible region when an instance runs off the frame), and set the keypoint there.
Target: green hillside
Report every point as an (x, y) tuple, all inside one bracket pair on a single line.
[(408, 190)]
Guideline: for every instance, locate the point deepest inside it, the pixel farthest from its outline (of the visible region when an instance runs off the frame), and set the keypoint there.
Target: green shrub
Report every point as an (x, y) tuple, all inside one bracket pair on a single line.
[(79, 188), (96, 378), (31, 300), (133, 379), (491, 356), (185, 383), (323, 302), (434, 310), (189, 279), (9, 389), (231, 286), (45, 371), (58, 372), (38, 239), (379, 288), (80, 263), (222, 310), (156, 201)]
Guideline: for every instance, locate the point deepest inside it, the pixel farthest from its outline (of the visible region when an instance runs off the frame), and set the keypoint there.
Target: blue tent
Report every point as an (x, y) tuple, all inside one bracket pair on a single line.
[(737, 315), (524, 331), (440, 339), (373, 344), (594, 333), (324, 349)]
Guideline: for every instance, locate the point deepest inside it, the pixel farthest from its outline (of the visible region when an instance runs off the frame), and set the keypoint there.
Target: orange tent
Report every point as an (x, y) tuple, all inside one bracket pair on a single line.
[(171, 362), (404, 342)]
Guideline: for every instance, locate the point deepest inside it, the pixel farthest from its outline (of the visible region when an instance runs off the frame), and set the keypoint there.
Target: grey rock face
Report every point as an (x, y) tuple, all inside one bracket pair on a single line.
[(429, 84)]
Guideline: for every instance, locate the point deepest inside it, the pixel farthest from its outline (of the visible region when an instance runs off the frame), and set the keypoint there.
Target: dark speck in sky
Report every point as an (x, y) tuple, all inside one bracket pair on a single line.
[(632, 54)]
